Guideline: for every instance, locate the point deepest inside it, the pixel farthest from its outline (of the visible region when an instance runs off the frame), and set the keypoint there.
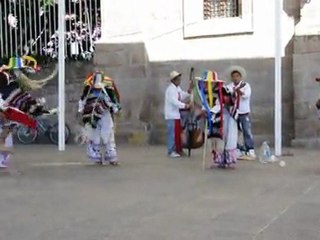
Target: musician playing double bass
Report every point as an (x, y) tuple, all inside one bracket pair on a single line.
[(175, 100)]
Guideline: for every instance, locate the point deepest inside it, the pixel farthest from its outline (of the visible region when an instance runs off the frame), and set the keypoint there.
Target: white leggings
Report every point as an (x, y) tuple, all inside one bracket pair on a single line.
[(103, 134), (4, 156)]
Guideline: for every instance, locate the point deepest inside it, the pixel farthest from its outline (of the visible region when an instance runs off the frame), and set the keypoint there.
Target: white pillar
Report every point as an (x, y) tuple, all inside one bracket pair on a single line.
[(278, 78), (61, 93)]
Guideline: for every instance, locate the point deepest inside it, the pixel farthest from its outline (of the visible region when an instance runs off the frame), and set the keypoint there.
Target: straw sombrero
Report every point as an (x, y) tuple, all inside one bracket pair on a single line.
[(238, 69), (174, 74)]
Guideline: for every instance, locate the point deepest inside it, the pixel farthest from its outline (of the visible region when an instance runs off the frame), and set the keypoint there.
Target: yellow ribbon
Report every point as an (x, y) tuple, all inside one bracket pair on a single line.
[(30, 59), (210, 79)]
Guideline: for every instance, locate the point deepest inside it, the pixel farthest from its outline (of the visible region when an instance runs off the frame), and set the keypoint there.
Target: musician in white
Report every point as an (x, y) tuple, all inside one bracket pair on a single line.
[(242, 90), (175, 100)]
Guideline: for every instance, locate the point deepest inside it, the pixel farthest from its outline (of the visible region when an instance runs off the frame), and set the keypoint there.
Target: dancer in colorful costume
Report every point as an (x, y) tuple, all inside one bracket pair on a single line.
[(218, 106), (99, 102), (17, 106)]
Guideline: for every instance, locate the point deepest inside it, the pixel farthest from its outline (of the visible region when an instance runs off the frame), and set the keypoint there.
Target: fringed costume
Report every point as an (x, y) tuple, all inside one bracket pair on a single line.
[(99, 101), (17, 106), (218, 103)]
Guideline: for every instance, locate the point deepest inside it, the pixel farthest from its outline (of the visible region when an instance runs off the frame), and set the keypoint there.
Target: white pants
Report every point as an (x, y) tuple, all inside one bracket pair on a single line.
[(224, 151), (103, 134), (230, 131), (4, 156)]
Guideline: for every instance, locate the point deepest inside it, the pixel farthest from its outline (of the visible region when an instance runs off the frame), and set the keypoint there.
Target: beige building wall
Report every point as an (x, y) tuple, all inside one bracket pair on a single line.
[(144, 40), (165, 23)]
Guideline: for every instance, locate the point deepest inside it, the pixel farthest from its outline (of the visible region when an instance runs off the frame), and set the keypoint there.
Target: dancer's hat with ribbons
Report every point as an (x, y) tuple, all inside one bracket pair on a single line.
[(23, 62), (211, 76)]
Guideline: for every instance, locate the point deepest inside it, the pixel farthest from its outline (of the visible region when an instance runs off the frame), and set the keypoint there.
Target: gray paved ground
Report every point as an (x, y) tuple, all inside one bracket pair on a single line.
[(153, 198)]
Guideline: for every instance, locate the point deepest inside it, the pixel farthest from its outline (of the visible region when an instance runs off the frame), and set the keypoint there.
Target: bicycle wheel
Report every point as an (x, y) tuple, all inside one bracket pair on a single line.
[(26, 135), (54, 133)]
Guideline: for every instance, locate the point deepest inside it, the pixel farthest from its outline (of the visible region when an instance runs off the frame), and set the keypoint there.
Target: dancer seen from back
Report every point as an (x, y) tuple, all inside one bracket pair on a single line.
[(100, 100)]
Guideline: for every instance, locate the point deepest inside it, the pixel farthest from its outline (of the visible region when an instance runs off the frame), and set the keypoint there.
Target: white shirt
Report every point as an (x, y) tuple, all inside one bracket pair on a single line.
[(244, 105), (174, 101)]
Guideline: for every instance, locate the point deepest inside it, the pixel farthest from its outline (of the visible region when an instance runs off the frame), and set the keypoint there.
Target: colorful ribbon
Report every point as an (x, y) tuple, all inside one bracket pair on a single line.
[(20, 62), (210, 94), (16, 63), (205, 103)]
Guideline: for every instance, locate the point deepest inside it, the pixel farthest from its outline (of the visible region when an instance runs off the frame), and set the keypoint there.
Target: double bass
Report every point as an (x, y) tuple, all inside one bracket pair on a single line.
[(192, 121)]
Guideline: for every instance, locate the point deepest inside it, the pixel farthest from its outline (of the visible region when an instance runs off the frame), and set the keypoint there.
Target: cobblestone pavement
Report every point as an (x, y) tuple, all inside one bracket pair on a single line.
[(60, 196)]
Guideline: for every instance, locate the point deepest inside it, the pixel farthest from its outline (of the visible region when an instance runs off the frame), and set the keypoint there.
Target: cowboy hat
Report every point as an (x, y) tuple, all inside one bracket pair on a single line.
[(238, 69), (174, 74)]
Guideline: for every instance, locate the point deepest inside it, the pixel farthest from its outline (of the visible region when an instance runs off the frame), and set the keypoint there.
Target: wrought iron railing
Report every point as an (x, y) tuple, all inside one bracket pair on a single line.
[(31, 27)]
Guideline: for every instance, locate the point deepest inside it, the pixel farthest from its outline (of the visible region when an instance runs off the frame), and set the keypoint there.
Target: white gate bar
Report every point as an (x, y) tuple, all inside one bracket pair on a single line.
[(10, 31), (20, 31), (31, 33), (6, 30), (55, 25), (61, 94), (35, 27), (47, 27), (16, 31), (40, 27), (25, 28)]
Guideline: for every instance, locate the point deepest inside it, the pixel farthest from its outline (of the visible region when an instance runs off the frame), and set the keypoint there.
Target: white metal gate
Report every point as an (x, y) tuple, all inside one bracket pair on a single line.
[(31, 27)]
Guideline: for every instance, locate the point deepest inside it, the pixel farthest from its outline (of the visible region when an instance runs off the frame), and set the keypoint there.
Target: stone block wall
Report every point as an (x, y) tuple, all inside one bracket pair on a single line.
[(305, 70), (142, 85)]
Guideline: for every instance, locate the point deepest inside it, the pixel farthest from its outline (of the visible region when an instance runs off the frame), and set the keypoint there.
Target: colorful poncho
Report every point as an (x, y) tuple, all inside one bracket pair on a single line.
[(99, 98), (213, 96), (15, 84), (16, 97)]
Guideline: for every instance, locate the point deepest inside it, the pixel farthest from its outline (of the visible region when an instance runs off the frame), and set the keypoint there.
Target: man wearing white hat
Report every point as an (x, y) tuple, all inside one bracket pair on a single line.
[(242, 91), (175, 100)]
